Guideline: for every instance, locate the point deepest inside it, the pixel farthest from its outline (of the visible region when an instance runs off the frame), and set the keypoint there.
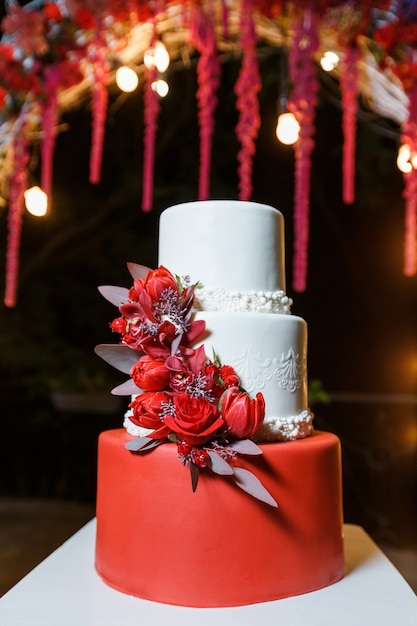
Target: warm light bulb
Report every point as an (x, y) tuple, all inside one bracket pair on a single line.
[(126, 79), (288, 129), (36, 201), (161, 87), (157, 56), (403, 159), (329, 61)]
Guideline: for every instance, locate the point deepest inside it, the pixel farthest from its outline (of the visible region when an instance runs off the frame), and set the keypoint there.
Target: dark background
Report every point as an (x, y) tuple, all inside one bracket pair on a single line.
[(360, 309)]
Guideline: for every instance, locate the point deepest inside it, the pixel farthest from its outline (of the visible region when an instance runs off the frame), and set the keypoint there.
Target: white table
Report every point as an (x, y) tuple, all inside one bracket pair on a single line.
[(64, 590)]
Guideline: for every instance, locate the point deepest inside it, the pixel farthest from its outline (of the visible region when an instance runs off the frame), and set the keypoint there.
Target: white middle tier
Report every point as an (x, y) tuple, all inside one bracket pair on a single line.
[(269, 353)]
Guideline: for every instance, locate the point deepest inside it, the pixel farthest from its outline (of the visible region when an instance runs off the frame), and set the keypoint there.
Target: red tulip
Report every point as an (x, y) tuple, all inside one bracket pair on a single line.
[(241, 414)]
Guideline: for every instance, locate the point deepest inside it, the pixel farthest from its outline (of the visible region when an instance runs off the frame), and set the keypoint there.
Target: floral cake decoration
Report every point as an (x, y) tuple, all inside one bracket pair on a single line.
[(179, 395)]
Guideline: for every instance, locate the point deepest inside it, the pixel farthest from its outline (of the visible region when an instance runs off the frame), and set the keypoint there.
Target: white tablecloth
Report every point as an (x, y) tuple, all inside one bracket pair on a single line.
[(64, 590)]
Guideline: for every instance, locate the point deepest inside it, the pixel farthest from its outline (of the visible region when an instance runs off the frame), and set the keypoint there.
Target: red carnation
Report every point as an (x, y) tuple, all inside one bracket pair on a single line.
[(241, 414)]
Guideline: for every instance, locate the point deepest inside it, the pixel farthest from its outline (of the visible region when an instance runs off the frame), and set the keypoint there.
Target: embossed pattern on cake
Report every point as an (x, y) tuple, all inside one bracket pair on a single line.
[(236, 251)]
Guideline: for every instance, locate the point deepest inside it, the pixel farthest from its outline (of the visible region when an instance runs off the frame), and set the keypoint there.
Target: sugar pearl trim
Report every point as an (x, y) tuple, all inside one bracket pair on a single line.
[(286, 429), (219, 299)]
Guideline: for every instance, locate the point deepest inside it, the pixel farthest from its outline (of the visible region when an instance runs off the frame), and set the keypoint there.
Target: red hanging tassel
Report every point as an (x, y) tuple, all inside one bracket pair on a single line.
[(203, 36), (49, 123), (409, 138), (349, 89), (99, 109), (302, 103), (151, 112), (18, 184), (247, 88)]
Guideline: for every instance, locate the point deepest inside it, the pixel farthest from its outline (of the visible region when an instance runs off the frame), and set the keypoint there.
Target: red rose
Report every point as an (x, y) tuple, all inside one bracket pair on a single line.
[(241, 414), (150, 374), (147, 412), (193, 419)]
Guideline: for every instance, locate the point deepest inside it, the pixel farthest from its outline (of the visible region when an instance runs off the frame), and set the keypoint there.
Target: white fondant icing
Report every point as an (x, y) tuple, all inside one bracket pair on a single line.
[(269, 353), (227, 244), (235, 251)]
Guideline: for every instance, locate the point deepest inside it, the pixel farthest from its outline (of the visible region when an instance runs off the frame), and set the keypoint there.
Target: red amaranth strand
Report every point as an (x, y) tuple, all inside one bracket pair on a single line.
[(49, 130), (409, 137), (302, 103), (247, 87), (99, 110), (151, 112), (18, 184), (349, 89), (202, 35)]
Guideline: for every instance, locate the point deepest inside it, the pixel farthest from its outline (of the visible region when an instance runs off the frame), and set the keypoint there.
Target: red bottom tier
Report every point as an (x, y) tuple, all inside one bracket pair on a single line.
[(217, 547)]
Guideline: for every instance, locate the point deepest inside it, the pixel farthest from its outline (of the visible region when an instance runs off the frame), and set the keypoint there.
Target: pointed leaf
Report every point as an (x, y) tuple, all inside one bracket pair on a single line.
[(219, 465), (115, 295), (246, 446), (121, 357), (194, 473), (138, 271), (128, 388), (142, 444), (252, 485)]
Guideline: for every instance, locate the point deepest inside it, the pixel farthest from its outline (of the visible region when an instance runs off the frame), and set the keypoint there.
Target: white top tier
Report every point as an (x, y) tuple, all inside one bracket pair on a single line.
[(227, 244)]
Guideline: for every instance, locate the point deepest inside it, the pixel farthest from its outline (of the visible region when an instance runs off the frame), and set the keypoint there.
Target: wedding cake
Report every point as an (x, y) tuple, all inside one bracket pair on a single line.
[(218, 380)]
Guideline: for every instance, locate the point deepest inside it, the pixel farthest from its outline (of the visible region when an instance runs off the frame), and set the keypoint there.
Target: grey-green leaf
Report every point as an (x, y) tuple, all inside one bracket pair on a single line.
[(120, 357), (245, 446), (252, 485), (219, 465)]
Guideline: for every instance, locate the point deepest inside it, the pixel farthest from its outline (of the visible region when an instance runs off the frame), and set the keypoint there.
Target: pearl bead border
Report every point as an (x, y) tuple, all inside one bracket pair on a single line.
[(219, 299)]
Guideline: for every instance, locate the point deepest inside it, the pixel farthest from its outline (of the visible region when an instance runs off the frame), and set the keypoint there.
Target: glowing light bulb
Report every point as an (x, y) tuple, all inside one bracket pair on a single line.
[(329, 60), (161, 87), (126, 79), (157, 56), (403, 159), (36, 201), (288, 129)]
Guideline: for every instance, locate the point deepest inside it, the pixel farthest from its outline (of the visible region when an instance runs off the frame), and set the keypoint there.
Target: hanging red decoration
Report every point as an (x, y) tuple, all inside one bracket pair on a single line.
[(409, 138), (202, 35), (49, 121), (247, 87), (349, 90), (18, 185), (99, 110), (302, 104), (151, 112)]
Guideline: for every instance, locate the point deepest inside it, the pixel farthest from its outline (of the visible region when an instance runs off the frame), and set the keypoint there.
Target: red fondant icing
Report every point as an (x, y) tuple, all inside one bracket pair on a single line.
[(158, 540)]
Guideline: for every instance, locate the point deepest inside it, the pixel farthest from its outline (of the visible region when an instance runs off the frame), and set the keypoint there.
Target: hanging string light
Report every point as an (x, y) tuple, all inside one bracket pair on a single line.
[(36, 201), (126, 79), (157, 56), (329, 61), (288, 128)]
